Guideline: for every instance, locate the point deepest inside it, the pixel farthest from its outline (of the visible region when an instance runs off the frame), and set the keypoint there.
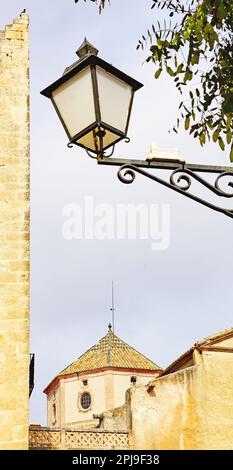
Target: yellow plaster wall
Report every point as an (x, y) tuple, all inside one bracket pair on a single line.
[(14, 235), (161, 418), (216, 408), (121, 383), (54, 397), (73, 391), (189, 409), (226, 343)]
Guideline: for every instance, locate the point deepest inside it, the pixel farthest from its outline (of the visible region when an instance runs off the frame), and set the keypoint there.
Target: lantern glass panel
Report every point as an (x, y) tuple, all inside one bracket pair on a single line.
[(75, 102), (92, 141), (114, 98)]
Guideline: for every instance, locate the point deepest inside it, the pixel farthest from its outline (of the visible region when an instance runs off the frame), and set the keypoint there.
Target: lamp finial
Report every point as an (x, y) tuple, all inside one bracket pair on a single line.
[(86, 48)]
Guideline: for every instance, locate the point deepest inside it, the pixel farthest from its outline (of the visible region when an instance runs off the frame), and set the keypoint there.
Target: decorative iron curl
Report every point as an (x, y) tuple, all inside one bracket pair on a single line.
[(100, 155), (124, 172), (230, 183), (127, 174), (90, 154), (111, 153), (70, 145), (185, 175), (183, 180)]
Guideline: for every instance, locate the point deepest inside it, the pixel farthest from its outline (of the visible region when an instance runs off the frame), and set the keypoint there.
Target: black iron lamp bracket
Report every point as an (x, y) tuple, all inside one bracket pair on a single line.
[(181, 177)]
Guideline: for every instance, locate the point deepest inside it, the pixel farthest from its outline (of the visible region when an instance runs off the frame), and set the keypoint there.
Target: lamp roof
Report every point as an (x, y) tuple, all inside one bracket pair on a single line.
[(89, 59), (86, 48)]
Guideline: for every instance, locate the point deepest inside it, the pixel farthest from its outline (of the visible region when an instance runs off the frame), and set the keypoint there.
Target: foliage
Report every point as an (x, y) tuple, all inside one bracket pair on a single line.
[(195, 48), (101, 3)]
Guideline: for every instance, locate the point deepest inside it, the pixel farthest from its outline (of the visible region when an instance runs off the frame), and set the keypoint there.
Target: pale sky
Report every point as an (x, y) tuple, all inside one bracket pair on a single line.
[(165, 300)]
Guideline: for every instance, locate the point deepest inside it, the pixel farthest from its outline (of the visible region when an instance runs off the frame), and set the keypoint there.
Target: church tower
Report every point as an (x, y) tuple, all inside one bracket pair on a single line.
[(96, 382)]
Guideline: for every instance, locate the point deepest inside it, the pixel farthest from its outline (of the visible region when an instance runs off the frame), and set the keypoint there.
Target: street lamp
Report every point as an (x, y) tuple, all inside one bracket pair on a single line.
[(93, 100)]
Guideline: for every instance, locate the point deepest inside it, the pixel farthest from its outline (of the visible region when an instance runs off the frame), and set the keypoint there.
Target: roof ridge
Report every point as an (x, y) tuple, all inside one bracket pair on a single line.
[(214, 336), (207, 340), (92, 348), (131, 347), (117, 354)]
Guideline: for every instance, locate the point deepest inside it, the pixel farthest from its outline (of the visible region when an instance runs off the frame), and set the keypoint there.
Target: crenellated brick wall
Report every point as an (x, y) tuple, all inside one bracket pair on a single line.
[(14, 234)]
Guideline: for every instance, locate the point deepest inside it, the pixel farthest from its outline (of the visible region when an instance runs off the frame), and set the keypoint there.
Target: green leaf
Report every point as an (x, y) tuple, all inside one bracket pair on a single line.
[(229, 136), (202, 138), (188, 75), (187, 123), (228, 124), (158, 72), (170, 72), (221, 143), (215, 135), (231, 154), (179, 68), (212, 39), (195, 58), (228, 103), (159, 43), (187, 33), (221, 12)]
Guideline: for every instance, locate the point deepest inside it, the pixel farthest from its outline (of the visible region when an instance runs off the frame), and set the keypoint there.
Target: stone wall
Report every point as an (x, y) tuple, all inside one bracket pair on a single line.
[(190, 409), (118, 418), (71, 439), (164, 414), (14, 234)]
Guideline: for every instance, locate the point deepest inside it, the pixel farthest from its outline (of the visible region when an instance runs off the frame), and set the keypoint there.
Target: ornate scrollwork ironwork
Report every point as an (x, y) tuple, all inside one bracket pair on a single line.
[(101, 154), (186, 175), (181, 181), (182, 178), (110, 154), (94, 155), (91, 155), (230, 183), (128, 172)]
